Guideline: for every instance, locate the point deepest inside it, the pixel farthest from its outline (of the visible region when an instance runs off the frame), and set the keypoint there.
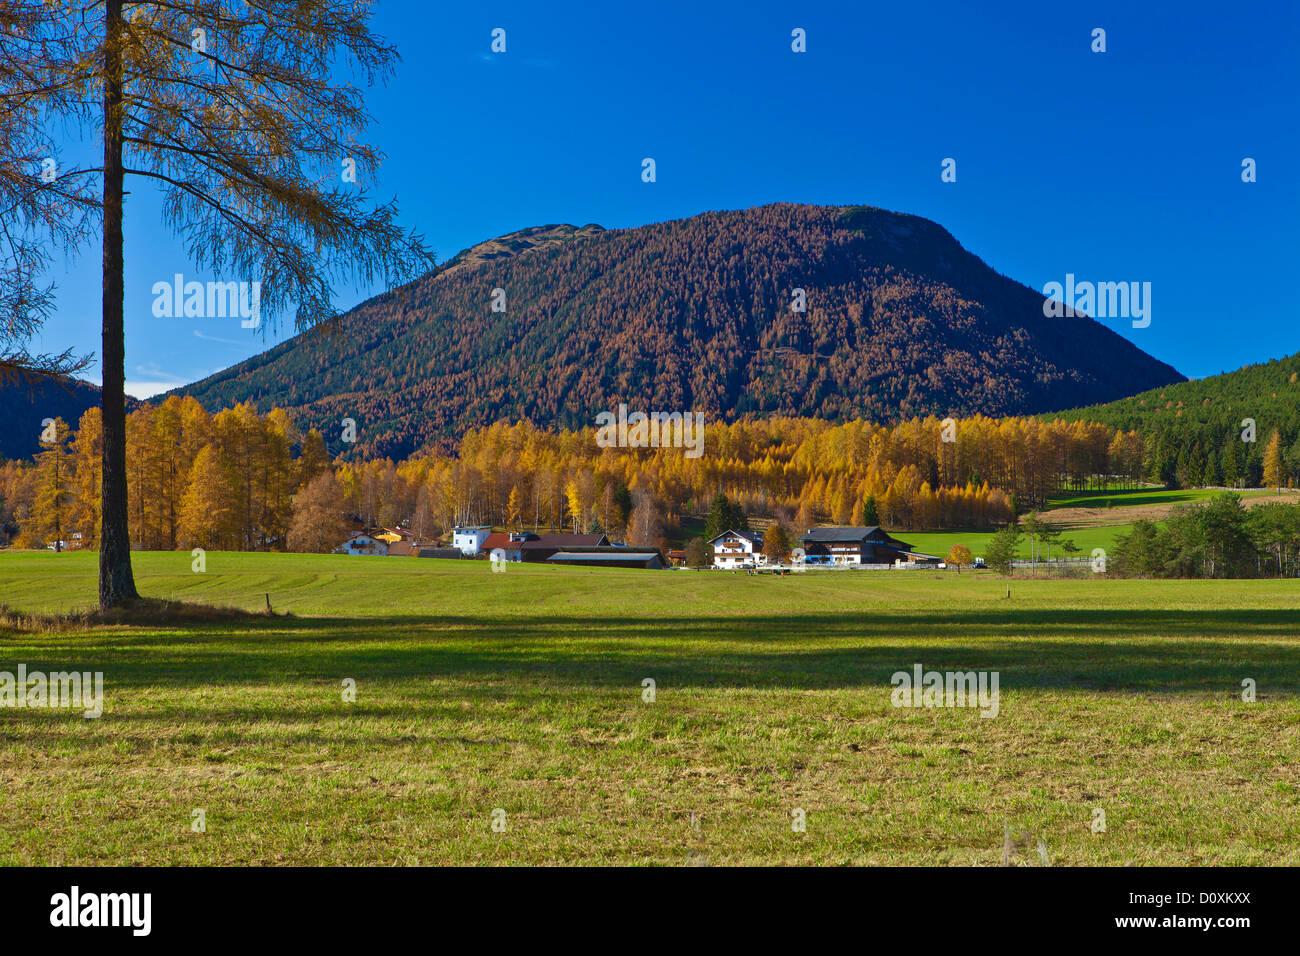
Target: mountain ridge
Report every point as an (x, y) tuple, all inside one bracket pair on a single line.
[(692, 313)]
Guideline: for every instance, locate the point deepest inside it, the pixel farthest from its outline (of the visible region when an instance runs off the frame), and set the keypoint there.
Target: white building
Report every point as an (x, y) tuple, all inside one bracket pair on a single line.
[(469, 540), (732, 549), (361, 543)]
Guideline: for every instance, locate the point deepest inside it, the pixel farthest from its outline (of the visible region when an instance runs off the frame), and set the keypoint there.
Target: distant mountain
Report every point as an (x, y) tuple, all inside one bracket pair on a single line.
[(23, 407), (693, 314)]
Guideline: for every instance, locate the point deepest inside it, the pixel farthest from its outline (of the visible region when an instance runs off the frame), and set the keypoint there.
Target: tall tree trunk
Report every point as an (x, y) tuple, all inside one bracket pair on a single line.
[(116, 582)]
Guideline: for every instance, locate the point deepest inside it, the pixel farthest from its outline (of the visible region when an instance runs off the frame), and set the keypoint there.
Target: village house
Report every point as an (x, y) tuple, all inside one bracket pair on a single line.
[(401, 542), (361, 542), (735, 549), (389, 542), (536, 548), (508, 542), (853, 546), (469, 540), (395, 534), (590, 550)]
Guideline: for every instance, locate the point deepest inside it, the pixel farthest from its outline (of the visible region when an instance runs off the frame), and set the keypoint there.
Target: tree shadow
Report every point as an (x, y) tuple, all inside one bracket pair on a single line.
[(498, 657)]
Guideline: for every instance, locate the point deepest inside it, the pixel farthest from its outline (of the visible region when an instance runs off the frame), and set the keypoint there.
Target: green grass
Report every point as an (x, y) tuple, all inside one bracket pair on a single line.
[(522, 691), (1085, 539), (1147, 496)]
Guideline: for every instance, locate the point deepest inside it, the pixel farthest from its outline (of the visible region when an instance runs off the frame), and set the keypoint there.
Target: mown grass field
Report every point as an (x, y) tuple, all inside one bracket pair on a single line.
[(1150, 496), (1092, 519), (1085, 539), (522, 691)]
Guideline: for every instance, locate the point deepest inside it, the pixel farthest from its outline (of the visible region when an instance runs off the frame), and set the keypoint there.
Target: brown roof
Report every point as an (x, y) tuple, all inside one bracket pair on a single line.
[(497, 539), (565, 541)]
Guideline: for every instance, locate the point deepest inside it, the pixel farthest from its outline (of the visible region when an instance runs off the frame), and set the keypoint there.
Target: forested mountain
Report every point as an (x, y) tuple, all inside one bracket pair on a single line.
[(693, 314), (23, 406), (1199, 432)]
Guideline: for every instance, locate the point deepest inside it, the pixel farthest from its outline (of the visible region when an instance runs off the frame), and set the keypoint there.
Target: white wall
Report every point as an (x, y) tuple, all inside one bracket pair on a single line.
[(469, 540), (740, 552)]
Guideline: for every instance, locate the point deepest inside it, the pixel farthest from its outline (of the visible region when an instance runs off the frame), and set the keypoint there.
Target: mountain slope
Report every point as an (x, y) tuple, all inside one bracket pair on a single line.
[(1268, 392), (1199, 433), (24, 406), (693, 314)]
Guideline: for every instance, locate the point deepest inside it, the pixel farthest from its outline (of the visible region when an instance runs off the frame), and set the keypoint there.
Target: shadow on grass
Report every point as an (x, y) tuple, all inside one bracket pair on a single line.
[(142, 612), (479, 659)]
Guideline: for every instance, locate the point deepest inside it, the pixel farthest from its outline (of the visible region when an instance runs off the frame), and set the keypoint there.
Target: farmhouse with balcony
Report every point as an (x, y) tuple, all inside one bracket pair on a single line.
[(853, 546), (732, 549)]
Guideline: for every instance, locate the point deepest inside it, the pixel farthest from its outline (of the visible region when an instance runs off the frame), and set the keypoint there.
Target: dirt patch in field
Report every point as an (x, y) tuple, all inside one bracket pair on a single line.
[(1127, 514)]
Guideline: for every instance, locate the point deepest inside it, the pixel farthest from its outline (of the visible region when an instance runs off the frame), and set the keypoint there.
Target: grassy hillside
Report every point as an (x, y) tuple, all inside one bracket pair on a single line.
[(522, 692)]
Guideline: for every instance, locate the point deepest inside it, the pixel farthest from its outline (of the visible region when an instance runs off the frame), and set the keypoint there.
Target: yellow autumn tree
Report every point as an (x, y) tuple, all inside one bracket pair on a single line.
[(513, 505), (53, 505), (87, 459), (959, 554), (208, 518), (1274, 472), (573, 499)]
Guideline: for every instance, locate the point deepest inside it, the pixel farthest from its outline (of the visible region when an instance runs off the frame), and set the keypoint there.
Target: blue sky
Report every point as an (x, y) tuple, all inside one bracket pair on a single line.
[(1115, 166)]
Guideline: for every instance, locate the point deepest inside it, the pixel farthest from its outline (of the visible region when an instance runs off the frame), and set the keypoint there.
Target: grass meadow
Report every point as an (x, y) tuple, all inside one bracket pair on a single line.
[(522, 691), (1085, 539)]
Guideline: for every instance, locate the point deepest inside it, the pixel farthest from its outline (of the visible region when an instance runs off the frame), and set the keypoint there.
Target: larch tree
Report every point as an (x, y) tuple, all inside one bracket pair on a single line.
[(53, 505), (248, 118), (277, 475), (958, 555), (776, 543), (1274, 470), (318, 524), (87, 457), (645, 526), (699, 553), (171, 471), (313, 459), (208, 519)]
